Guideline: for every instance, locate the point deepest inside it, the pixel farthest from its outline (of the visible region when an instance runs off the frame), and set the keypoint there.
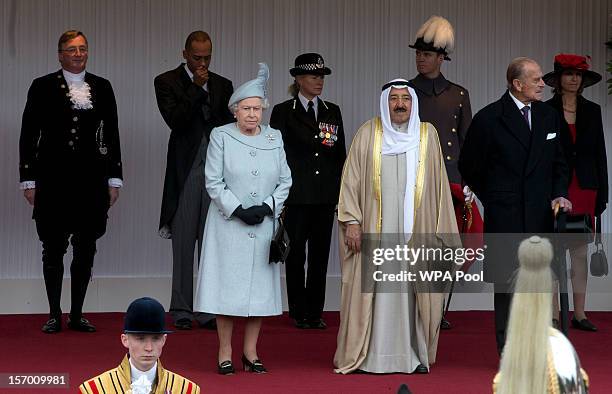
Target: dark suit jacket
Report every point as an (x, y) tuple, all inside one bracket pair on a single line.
[(316, 168), (588, 155), (514, 171), (70, 153), (180, 102)]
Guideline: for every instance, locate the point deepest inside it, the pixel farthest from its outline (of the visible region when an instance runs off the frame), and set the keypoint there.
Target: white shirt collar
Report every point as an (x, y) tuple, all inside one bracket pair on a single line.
[(72, 78), (518, 102), (205, 87), (136, 373), (314, 100)]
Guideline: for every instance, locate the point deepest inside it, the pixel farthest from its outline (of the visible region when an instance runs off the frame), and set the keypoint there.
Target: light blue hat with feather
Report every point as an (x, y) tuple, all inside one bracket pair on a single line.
[(253, 88)]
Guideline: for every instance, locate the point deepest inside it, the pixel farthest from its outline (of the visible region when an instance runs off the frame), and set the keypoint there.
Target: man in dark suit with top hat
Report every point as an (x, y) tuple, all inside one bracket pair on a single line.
[(313, 135), (192, 100), (70, 171), (512, 159), (446, 105)]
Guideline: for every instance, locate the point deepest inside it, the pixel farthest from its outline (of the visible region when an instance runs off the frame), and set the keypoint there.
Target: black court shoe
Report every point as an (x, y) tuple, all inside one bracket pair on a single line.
[(226, 368), (255, 366), (81, 324), (52, 326), (584, 325), (421, 369)]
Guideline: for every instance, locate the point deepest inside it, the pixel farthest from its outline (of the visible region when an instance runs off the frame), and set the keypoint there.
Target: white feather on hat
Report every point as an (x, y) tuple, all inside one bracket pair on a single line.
[(439, 31)]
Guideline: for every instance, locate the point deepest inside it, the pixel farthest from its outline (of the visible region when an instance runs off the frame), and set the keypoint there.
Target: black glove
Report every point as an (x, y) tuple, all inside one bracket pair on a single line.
[(263, 210), (248, 216)]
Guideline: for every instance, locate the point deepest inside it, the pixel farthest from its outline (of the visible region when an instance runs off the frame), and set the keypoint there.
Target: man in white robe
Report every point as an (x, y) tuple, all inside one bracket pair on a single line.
[(394, 183)]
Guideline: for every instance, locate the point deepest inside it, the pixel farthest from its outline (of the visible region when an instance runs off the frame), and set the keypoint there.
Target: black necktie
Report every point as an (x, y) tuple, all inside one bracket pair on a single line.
[(206, 106), (310, 111)]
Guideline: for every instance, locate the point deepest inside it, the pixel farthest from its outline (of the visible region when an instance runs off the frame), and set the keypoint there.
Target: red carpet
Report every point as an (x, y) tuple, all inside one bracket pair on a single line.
[(299, 361)]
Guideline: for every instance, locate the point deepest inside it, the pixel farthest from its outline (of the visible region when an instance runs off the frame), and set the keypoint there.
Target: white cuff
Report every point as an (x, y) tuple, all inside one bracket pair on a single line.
[(27, 185), (115, 182)]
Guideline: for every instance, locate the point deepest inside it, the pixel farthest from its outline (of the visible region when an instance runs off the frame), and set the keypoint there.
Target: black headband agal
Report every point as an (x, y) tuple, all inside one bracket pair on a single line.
[(395, 83)]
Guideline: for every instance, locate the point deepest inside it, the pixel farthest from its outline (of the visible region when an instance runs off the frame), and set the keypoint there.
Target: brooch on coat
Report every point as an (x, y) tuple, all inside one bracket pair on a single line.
[(328, 133), (271, 137)]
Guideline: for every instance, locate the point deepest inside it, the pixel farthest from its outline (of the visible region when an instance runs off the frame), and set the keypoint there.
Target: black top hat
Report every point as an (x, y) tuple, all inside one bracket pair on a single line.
[(421, 45), (309, 63), (145, 316), (571, 62)]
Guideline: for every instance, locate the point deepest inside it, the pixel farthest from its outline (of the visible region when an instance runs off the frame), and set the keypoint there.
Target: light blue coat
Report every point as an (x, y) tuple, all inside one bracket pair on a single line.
[(235, 277)]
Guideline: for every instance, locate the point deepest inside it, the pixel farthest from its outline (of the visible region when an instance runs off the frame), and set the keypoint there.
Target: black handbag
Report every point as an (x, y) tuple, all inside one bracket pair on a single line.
[(599, 262), (279, 246)]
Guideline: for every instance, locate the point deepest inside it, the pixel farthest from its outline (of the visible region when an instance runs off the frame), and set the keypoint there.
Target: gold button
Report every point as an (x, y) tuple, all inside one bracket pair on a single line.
[(59, 77), (448, 157), (449, 143), (62, 86), (316, 136), (73, 131), (454, 130), (75, 119), (317, 172), (70, 143), (26, 166), (455, 116), (67, 94), (460, 105), (461, 92), (316, 154)]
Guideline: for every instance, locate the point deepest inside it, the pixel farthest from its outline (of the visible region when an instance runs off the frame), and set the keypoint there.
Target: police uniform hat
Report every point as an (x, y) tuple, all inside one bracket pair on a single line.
[(309, 63), (145, 316)]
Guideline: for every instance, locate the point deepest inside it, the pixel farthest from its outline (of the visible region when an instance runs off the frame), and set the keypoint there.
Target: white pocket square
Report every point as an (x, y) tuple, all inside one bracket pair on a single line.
[(550, 136)]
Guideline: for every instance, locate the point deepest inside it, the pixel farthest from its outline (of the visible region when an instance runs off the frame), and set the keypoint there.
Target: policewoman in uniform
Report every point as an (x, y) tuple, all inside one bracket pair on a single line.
[(313, 134)]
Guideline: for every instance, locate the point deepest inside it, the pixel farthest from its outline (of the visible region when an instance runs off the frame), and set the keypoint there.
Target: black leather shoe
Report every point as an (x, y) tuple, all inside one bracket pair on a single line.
[(210, 325), (316, 324), (301, 323), (226, 368), (81, 324), (421, 369), (52, 326), (255, 366), (584, 325), (555, 323), (445, 324), (183, 324)]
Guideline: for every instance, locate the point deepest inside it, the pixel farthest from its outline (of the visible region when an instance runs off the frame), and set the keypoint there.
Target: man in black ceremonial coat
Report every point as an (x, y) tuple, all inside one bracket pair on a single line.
[(70, 171), (513, 160), (192, 100)]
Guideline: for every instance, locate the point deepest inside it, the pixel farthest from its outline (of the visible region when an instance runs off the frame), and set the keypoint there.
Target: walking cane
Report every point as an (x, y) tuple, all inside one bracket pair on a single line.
[(466, 223), (560, 263)]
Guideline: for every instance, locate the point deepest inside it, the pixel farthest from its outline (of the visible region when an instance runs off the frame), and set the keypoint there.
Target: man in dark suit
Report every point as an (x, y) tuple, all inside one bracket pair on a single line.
[(70, 171), (512, 159), (192, 100), (313, 135)]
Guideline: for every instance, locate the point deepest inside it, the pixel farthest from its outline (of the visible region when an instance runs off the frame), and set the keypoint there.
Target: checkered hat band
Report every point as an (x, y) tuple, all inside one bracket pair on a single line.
[(310, 66)]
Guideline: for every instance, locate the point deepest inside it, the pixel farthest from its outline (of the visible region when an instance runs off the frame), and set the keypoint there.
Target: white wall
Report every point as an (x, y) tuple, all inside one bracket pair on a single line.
[(364, 42)]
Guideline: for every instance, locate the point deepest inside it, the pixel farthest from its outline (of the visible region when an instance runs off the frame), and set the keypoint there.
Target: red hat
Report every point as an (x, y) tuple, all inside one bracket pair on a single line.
[(572, 62)]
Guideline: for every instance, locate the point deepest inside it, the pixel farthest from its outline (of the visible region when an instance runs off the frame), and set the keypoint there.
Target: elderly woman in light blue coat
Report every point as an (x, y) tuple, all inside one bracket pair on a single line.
[(246, 176)]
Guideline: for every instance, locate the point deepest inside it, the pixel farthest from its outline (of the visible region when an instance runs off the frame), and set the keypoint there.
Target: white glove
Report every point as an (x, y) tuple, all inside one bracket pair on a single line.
[(468, 195)]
